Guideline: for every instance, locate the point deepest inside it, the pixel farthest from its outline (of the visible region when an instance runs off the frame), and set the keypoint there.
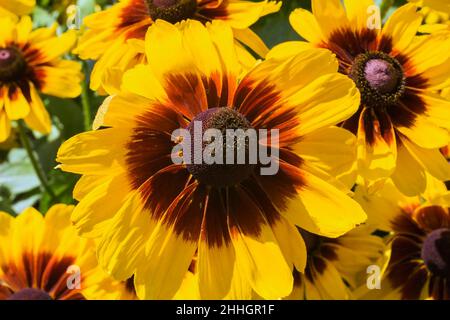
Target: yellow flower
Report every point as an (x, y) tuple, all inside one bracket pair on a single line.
[(30, 62), (419, 264), (402, 122), (12, 8), (336, 266), (152, 215), (115, 36), (43, 258)]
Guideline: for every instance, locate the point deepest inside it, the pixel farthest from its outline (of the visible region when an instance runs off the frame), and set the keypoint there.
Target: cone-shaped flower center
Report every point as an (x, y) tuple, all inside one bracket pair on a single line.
[(203, 145), (172, 10), (382, 75), (30, 294), (436, 252), (379, 78), (12, 64)]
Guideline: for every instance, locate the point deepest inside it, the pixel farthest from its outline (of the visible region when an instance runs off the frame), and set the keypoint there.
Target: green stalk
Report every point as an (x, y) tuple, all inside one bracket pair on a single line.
[(86, 103), (386, 5), (34, 162)]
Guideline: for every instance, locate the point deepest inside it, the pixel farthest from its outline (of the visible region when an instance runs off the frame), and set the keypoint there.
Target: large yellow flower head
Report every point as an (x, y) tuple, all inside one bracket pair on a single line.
[(114, 37), (153, 214), (30, 62), (419, 242), (402, 122), (12, 8), (43, 258)]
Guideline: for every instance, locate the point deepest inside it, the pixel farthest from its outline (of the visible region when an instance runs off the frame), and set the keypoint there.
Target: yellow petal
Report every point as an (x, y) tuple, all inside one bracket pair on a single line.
[(38, 119), (430, 159), (402, 26), (94, 152), (358, 12), (330, 15), (251, 40), (322, 209), (122, 246), (62, 79), (16, 106), (55, 47), (326, 101), (94, 212), (409, 176), (287, 49), (377, 150), (171, 256), (5, 126), (306, 25), (257, 257)]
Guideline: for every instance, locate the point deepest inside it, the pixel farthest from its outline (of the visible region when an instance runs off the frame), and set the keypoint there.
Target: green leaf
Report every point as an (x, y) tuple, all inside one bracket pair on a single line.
[(17, 173)]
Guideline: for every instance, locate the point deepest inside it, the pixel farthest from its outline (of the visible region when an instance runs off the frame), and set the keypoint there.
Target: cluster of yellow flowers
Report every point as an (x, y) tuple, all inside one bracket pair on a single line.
[(358, 208)]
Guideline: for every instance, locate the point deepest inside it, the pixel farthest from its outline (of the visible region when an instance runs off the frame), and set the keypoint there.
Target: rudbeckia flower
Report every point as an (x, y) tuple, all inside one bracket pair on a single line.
[(419, 264), (30, 62), (336, 266), (16, 7), (115, 36), (402, 122), (153, 213), (44, 259)]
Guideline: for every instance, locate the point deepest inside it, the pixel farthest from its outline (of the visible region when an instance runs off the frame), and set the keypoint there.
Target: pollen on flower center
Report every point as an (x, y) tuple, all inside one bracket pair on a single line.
[(219, 174), (12, 64), (379, 78), (171, 10), (382, 75), (436, 252), (30, 294)]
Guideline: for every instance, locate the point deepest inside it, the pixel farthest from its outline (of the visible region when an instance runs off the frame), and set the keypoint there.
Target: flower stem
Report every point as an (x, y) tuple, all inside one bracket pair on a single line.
[(86, 103), (34, 162), (386, 5)]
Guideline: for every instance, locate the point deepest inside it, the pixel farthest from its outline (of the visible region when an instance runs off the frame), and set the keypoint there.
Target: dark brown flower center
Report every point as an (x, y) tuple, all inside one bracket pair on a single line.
[(379, 78), (436, 252), (12, 64), (172, 10), (30, 294), (222, 174)]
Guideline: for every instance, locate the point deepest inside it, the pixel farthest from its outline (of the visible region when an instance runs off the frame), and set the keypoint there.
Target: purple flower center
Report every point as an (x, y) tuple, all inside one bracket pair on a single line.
[(436, 252), (218, 174), (380, 79), (30, 294), (382, 75), (5, 55)]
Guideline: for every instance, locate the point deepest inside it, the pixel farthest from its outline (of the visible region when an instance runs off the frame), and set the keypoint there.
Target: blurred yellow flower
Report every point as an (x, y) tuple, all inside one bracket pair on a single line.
[(43, 259), (16, 7), (30, 62), (114, 37), (402, 122)]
